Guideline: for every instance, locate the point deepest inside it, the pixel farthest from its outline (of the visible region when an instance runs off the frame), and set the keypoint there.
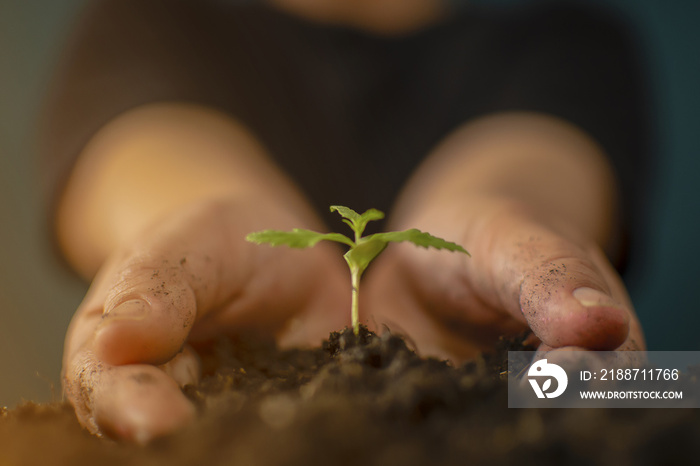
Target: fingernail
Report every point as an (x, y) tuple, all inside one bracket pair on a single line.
[(590, 297), (134, 309)]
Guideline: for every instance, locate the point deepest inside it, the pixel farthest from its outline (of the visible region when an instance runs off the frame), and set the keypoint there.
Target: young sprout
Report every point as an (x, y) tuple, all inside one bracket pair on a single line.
[(363, 249)]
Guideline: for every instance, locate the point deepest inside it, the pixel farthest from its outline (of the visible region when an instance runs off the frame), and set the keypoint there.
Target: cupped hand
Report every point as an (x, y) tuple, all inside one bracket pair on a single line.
[(522, 275), (190, 278)]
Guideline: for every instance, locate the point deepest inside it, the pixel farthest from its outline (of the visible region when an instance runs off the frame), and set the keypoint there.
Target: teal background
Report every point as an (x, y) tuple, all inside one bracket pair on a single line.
[(37, 296)]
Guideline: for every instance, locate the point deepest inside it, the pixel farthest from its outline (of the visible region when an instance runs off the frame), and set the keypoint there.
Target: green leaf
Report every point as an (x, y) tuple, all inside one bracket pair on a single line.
[(297, 238), (346, 212), (419, 238), (356, 221), (359, 257), (368, 216)]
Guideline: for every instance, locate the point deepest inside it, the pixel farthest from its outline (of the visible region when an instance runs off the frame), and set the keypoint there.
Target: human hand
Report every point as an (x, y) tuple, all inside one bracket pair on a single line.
[(522, 274), (190, 278)]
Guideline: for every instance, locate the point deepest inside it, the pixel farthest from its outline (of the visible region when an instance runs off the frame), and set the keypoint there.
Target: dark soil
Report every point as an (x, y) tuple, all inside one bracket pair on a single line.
[(361, 401)]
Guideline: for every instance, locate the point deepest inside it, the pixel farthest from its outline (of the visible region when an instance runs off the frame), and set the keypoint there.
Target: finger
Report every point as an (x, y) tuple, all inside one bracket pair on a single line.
[(150, 305), (185, 368), (562, 290), (134, 402), (519, 272), (565, 305), (150, 295)]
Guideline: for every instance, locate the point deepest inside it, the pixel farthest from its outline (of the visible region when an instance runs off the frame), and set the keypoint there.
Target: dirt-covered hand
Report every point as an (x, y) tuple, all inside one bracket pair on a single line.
[(190, 278), (521, 275)]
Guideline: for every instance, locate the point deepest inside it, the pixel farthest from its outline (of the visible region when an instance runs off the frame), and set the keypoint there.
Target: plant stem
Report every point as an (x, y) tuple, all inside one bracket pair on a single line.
[(354, 310)]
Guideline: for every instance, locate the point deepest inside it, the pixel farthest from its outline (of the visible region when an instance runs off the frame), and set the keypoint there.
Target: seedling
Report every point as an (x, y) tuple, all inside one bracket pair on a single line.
[(363, 249)]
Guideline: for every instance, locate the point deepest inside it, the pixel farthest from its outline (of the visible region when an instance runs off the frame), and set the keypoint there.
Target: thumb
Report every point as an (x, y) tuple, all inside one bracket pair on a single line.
[(566, 303), (149, 295), (569, 295), (147, 316)]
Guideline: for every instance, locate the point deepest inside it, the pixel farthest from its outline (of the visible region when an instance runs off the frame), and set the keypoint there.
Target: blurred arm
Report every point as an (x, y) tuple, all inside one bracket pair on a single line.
[(542, 163), (152, 161)]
